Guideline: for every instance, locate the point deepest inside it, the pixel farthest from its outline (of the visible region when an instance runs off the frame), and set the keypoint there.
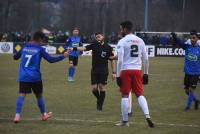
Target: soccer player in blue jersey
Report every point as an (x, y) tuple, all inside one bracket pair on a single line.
[(73, 41), (30, 76), (191, 67)]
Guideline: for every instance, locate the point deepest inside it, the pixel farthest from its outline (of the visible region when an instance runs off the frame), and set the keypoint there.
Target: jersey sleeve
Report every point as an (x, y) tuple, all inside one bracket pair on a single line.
[(120, 55), (145, 58), (89, 47), (111, 53), (49, 58)]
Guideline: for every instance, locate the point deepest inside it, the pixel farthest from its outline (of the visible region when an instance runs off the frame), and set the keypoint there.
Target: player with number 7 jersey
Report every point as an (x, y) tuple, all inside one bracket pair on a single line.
[(30, 76), (29, 68)]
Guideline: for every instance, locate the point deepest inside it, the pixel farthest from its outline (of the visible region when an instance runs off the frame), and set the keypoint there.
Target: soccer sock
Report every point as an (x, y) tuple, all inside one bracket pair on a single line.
[(102, 97), (190, 99), (96, 94), (144, 106), (130, 103), (19, 104), (70, 71), (194, 97), (124, 109), (73, 72), (41, 104)]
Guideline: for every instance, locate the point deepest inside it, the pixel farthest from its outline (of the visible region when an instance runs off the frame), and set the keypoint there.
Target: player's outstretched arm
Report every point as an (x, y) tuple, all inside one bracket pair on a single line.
[(52, 59), (113, 67), (80, 48), (146, 66), (84, 48)]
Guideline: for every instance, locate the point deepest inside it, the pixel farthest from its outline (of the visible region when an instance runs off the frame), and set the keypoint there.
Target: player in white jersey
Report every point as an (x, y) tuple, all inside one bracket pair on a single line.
[(130, 50)]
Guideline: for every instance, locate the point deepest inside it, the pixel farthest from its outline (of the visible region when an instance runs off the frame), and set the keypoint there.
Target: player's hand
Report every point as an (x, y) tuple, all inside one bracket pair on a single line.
[(145, 79), (70, 49), (66, 54), (118, 80)]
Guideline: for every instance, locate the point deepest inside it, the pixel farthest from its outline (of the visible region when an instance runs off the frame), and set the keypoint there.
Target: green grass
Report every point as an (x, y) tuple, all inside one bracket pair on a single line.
[(73, 105)]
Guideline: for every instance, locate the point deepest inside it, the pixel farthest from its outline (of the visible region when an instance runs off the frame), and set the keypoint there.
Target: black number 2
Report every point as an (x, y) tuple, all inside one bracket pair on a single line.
[(134, 51)]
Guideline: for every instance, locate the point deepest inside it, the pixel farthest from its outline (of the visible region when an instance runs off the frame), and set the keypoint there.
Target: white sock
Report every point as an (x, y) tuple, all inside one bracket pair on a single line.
[(124, 108), (130, 102), (17, 115), (144, 106)]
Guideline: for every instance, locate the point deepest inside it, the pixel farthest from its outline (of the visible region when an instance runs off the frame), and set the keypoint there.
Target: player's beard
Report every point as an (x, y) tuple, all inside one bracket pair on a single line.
[(101, 42)]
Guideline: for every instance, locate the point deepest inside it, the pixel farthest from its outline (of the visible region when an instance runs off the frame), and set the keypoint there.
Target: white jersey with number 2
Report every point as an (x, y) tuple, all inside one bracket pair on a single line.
[(130, 50)]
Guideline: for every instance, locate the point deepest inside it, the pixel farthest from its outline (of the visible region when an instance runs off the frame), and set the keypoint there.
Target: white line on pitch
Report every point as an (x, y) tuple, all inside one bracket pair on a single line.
[(113, 122)]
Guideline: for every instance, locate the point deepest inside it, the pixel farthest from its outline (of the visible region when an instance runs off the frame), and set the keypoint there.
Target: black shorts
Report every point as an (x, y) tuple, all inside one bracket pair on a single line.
[(99, 78), (28, 87), (190, 81), (73, 60)]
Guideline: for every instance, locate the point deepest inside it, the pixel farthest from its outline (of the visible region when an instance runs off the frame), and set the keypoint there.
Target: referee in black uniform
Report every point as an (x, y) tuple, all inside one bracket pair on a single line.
[(101, 54)]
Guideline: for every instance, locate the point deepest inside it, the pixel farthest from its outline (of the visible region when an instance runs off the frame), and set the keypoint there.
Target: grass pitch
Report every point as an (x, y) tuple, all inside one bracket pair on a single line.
[(74, 107)]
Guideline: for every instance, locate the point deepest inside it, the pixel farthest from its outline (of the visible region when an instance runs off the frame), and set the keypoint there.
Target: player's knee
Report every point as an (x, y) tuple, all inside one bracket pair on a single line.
[(71, 65), (125, 95), (101, 87), (22, 94), (138, 95), (94, 88)]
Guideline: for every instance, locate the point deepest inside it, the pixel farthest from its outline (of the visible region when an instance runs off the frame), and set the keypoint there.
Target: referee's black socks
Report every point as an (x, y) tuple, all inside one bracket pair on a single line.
[(96, 94), (102, 97)]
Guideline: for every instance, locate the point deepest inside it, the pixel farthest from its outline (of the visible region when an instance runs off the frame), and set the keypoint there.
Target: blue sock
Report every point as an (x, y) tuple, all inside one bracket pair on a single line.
[(71, 72), (41, 104), (19, 104), (194, 97), (190, 99)]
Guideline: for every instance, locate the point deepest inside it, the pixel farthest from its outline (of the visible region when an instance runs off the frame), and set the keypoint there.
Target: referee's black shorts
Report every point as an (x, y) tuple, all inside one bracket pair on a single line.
[(28, 87), (99, 78), (190, 81)]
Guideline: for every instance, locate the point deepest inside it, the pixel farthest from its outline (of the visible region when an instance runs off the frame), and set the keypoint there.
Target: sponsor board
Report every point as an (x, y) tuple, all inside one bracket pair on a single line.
[(50, 49), (150, 50), (169, 51), (6, 47)]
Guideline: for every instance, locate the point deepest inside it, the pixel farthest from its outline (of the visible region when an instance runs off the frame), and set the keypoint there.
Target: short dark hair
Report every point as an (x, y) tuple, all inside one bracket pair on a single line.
[(38, 36), (127, 24), (97, 33), (76, 28), (193, 32)]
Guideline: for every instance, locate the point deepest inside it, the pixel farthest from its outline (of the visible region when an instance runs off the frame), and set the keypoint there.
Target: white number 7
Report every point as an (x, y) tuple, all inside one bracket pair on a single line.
[(28, 60)]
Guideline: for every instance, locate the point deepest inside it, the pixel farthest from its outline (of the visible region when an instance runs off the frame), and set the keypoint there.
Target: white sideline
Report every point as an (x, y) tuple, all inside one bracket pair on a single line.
[(113, 122)]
